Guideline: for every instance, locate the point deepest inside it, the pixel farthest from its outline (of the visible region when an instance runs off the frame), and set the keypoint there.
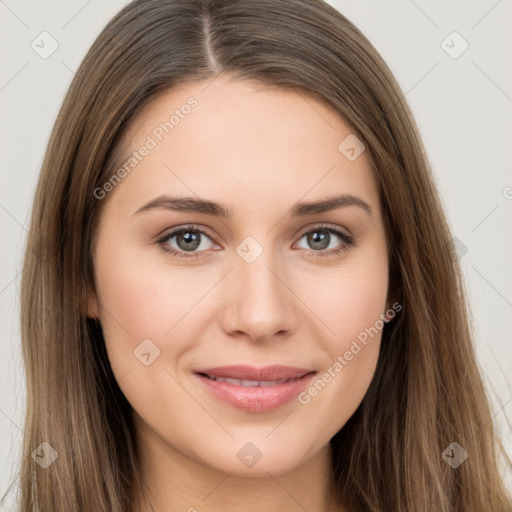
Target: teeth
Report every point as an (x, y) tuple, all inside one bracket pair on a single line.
[(248, 383)]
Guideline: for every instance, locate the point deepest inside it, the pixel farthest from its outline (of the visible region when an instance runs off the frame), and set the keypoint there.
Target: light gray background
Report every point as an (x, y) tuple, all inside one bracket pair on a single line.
[(462, 105)]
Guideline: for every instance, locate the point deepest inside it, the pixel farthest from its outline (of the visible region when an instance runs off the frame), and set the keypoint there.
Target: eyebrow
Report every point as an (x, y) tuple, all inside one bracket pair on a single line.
[(301, 209)]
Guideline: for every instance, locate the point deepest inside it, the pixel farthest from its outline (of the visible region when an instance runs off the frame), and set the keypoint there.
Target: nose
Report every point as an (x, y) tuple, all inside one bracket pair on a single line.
[(260, 304)]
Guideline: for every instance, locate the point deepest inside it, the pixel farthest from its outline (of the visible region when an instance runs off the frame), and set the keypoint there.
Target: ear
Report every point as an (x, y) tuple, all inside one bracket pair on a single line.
[(385, 313), (389, 312), (394, 298), (93, 310), (393, 307)]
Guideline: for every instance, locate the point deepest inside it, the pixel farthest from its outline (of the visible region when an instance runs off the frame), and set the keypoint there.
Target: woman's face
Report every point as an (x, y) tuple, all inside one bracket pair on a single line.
[(261, 286)]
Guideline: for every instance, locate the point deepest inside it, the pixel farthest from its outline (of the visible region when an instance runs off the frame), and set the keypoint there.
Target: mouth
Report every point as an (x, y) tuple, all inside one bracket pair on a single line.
[(248, 383), (255, 389)]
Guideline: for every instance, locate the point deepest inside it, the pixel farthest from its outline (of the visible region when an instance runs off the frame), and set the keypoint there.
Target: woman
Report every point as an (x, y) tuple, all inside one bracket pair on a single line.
[(312, 350)]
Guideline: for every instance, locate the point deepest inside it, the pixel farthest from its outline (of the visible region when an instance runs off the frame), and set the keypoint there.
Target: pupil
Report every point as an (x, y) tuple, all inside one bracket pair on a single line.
[(319, 239), (190, 239)]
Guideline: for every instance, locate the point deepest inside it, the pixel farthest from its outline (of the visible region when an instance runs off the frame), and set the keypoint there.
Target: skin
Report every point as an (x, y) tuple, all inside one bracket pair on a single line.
[(258, 151)]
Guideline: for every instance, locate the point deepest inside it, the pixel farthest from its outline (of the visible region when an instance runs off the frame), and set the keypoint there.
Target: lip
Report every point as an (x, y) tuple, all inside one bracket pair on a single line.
[(261, 397)]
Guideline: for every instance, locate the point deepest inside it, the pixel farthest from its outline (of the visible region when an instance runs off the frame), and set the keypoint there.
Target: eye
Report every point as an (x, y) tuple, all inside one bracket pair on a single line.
[(323, 237), (188, 239)]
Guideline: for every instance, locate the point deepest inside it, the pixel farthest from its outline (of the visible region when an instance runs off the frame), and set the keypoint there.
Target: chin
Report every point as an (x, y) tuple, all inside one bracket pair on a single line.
[(248, 455)]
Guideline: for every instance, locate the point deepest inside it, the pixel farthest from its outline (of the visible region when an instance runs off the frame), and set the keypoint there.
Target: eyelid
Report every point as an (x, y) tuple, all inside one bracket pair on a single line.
[(347, 239), (327, 227), (170, 233)]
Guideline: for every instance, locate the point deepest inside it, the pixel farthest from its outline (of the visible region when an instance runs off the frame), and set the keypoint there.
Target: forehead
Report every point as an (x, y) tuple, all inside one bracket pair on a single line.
[(240, 140)]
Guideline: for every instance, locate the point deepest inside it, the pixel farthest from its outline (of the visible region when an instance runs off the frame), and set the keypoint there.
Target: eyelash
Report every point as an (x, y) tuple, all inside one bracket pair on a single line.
[(347, 240)]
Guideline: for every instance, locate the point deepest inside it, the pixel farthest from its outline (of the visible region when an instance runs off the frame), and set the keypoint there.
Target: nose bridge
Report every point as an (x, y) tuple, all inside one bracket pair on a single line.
[(260, 304)]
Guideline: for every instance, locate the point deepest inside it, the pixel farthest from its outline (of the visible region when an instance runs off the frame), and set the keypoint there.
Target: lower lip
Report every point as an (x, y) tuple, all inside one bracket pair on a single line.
[(255, 398)]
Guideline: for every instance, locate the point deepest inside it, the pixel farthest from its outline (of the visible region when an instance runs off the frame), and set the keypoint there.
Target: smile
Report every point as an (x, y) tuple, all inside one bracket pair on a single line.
[(254, 389), (249, 383)]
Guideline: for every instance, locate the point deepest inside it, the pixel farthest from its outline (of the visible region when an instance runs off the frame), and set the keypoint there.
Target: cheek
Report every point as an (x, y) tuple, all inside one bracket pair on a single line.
[(350, 304), (142, 289), (142, 299), (348, 300)]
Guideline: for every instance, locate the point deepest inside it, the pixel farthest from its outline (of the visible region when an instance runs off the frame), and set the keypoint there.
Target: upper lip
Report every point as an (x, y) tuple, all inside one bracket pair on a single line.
[(246, 372)]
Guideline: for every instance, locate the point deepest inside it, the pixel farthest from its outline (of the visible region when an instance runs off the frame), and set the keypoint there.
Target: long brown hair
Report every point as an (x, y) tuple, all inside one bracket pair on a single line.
[(427, 391)]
